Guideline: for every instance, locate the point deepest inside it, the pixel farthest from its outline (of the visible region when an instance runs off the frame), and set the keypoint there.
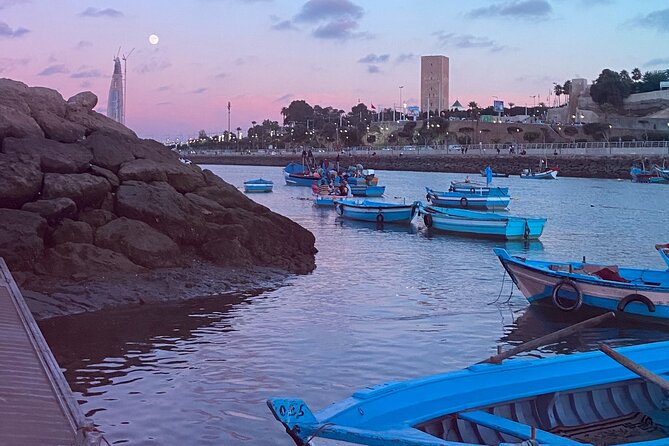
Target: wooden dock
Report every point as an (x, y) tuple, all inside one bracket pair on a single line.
[(36, 404)]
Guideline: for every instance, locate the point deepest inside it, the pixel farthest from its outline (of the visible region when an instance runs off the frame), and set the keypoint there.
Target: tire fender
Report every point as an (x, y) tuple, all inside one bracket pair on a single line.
[(463, 202), (635, 298), (379, 218), (427, 219), (556, 298)]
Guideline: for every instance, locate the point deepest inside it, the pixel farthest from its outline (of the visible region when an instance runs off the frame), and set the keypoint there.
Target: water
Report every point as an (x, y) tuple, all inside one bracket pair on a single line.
[(382, 305)]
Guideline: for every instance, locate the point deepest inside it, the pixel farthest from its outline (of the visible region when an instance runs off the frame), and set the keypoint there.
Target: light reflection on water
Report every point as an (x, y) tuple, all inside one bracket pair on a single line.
[(383, 304)]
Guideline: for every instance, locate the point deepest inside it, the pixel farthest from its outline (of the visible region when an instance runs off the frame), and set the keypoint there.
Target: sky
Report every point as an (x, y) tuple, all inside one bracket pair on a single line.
[(260, 55)]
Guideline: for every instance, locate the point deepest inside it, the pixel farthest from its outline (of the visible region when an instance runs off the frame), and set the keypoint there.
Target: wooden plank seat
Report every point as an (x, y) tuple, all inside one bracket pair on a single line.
[(522, 431)]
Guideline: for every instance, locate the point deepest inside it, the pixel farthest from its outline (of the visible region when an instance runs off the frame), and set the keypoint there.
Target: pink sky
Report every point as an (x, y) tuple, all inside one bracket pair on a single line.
[(261, 54)]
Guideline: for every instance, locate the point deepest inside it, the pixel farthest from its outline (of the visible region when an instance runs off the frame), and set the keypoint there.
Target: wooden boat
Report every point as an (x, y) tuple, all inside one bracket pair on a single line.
[(258, 185), (298, 175), (362, 190), (474, 187), (664, 252), (328, 200), (376, 211), (643, 175), (482, 224), (662, 172), (578, 399), (568, 285), (549, 174), (479, 199)]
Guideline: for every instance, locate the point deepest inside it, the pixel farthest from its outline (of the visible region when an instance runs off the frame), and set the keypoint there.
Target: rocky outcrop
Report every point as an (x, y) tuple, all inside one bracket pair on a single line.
[(83, 198)]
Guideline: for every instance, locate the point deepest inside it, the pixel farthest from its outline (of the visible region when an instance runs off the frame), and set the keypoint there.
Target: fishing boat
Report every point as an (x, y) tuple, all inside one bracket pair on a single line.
[(589, 398), (258, 185), (663, 172), (363, 190), (549, 174), (482, 224), (328, 200), (480, 198), (495, 174), (664, 252), (474, 187), (643, 175), (569, 285), (298, 175), (376, 211)]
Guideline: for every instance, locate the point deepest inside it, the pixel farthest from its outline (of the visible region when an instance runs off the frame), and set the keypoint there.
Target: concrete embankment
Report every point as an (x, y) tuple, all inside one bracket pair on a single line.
[(581, 166)]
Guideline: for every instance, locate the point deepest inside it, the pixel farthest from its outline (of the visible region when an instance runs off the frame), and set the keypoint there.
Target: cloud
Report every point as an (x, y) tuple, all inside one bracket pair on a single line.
[(164, 88), (534, 79), (656, 19), (85, 84), (54, 69), (328, 10), (221, 76), (467, 41), (6, 31), (95, 12), (373, 58), (283, 25), (657, 61), (522, 9), (405, 57), (285, 98), (83, 44), (8, 63), (153, 66), (199, 90), (86, 74), (373, 69), (4, 4), (338, 30)]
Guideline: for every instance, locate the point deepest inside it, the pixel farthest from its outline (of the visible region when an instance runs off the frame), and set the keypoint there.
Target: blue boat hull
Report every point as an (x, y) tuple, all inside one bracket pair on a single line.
[(379, 212), (367, 191), (547, 175), (558, 401), (483, 224), (568, 286), (295, 175), (327, 200), (467, 200)]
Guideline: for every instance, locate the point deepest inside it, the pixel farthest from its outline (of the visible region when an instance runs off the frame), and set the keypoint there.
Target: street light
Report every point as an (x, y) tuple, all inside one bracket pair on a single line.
[(401, 87)]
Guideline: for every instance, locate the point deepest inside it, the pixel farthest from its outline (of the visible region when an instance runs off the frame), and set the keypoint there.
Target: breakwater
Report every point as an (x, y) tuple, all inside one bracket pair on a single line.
[(581, 166)]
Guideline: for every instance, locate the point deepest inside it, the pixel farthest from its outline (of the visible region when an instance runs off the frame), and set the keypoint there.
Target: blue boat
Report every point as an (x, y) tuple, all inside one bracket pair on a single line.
[(550, 174), (474, 187), (495, 174), (482, 224), (298, 175), (480, 198), (362, 190), (258, 185), (664, 252), (376, 211), (328, 200), (569, 285), (578, 399)]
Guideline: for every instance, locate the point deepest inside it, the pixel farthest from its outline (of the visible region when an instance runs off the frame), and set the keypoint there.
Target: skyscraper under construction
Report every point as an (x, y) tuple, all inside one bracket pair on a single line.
[(115, 108)]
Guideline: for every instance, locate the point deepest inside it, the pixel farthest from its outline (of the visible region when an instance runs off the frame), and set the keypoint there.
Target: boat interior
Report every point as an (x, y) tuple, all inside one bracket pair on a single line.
[(621, 413)]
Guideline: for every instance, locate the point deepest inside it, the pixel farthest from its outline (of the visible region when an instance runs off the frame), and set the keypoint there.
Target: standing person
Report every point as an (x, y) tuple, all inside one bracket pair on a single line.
[(337, 163), (310, 159), (305, 161)]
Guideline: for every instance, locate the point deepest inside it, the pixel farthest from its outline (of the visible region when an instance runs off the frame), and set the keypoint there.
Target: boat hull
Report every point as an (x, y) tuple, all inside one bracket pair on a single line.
[(367, 191), (538, 284), (259, 185), (327, 200), (548, 175), (295, 175), (558, 401), (467, 200), (378, 212), (481, 224)]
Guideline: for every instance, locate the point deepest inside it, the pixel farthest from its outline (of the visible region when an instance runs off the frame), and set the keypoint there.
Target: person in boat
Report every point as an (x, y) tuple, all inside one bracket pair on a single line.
[(467, 180), (314, 187), (323, 187), (310, 159), (343, 189), (305, 161)]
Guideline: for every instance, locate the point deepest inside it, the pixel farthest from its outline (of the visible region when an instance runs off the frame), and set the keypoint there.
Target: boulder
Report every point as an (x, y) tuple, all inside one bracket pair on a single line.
[(162, 207), (97, 217), (85, 189), (94, 121), (72, 231), (142, 170), (21, 238), (20, 181), (18, 124), (53, 210), (84, 261), (12, 95), (54, 156), (85, 99), (153, 150), (139, 242), (110, 150), (106, 174), (57, 128)]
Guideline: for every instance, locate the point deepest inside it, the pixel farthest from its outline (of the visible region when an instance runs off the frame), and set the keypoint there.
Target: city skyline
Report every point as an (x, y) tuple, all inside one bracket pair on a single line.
[(260, 55)]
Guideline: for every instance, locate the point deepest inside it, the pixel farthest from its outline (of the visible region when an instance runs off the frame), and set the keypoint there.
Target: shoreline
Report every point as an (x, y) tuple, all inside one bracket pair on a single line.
[(577, 166)]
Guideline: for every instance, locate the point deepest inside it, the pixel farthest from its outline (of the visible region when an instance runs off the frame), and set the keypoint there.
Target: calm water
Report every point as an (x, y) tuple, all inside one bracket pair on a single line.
[(382, 305)]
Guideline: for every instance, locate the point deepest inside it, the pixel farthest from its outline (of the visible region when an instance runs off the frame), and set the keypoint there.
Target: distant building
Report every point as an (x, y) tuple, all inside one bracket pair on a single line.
[(457, 106), (434, 83), (115, 101)]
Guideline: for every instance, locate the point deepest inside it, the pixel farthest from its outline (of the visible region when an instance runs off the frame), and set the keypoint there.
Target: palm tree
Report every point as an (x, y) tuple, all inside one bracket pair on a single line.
[(558, 92)]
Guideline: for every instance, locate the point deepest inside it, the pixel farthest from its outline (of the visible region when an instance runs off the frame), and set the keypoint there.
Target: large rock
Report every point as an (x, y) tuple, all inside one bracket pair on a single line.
[(180, 176), (106, 174), (85, 189), (139, 242), (94, 121), (53, 210), (47, 107), (82, 261), (97, 217), (162, 207), (72, 231), (85, 99), (13, 95), (110, 150), (21, 238), (15, 123), (54, 156), (20, 180)]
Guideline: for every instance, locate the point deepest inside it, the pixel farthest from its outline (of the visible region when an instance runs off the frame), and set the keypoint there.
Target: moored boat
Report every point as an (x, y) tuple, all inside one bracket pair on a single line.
[(493, 199), (482, 224), (474, 187), (578, 399), (363, 190), (298, 175), (569, 285), (377, 211), (494, 174), (642, 175), (664, 252), (259, 185), (549, 174), (328, 200)]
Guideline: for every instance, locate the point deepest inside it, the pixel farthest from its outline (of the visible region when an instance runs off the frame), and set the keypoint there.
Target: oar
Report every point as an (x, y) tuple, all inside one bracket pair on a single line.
[(549, 338), (636, 368)]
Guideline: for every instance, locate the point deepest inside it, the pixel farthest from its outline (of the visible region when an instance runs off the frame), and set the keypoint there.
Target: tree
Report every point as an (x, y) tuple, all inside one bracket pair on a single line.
[(636, 75), (558, 92), (298, 111), (609, 88), (202, 135), (651, 80), (473, 106)]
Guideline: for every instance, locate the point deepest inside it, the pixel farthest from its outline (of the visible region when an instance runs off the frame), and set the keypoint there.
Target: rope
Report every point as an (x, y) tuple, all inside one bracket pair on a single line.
[(500, 292), (92, 429), (316, 432)]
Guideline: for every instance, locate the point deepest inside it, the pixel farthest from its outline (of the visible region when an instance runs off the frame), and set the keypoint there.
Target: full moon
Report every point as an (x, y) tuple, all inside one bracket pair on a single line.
[(153, 39)]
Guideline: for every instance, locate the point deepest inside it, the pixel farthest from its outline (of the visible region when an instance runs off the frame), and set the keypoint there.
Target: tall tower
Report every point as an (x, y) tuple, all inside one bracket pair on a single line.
[(115, 101), (434, 83)]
